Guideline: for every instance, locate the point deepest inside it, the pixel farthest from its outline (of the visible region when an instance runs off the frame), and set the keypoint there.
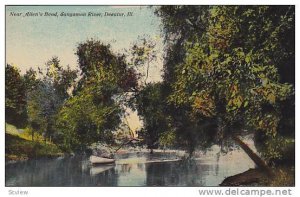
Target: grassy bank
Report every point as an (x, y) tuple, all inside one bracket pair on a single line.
[(18, 146)]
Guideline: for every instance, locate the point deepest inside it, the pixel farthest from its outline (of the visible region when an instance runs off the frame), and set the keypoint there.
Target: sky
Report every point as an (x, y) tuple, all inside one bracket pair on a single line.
[(31, 39)]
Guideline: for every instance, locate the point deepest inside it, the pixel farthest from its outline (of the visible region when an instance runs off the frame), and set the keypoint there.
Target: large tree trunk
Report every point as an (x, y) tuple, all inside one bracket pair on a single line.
[(260, 163)]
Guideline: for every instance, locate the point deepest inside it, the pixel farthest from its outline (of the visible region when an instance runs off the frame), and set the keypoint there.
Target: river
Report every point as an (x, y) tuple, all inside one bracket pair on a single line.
[(131, 169)]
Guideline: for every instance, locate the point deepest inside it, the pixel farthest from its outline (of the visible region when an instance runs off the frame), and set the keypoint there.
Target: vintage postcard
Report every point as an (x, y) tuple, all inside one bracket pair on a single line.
[(162, 95)]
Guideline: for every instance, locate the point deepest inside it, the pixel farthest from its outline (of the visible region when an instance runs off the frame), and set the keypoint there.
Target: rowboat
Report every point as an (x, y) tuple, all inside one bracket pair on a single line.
[(100, 160)]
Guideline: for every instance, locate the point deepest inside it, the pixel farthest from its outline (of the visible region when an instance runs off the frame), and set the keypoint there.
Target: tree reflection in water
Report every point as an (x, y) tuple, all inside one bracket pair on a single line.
[(129, 170)]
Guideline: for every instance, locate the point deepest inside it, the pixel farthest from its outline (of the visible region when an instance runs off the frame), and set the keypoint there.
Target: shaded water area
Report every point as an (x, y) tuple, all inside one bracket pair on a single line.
[(131, 169)]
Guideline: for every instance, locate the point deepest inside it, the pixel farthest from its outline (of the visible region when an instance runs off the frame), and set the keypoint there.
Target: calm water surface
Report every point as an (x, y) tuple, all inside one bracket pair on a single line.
[(130, 169)]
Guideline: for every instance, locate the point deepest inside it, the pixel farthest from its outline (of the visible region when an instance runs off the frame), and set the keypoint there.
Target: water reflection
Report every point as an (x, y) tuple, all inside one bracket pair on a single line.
[(130, 170)]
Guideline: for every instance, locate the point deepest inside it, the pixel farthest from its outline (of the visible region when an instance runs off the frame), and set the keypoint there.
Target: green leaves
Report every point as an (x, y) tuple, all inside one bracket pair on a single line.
[(271, 98), (151, 106), (99, 63), (15, 96), (230, 71), (82, 121), (95, 109), (204, 104)]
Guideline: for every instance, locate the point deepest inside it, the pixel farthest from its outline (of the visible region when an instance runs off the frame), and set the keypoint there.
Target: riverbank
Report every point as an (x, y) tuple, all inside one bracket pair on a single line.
[(247, 178), (255, 177), (19, 149)]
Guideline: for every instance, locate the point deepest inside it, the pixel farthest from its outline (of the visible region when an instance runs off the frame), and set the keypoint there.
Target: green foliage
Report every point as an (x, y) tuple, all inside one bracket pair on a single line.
[(229, 71), (42, 105), (27, 135), (167, 139), (15, 97), (23, 133), (143, 53), (97, 61), (150, 104), (284, 178), (11, 129), (86, 118), (73, 121), (30, 80), (92, 55), (17, 148), (62, 79), (276, 148), (180, 24), (46, 96), (95, 110)]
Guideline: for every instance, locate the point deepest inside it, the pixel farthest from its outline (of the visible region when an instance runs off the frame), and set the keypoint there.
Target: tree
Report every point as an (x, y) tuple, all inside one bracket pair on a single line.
[(31, 83), (96, 60), (181, 24), (15, 97), (61, 79), (95, 110), (30, 80), (46, 96), (143, 53), (43, 105), (229, 79), (150, 104), (88, 117)]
